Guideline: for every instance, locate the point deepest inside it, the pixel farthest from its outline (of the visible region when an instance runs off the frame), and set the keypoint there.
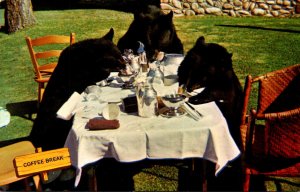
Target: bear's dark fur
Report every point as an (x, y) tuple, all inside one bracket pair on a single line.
[(209, 65), (80, 65), (154, 29)]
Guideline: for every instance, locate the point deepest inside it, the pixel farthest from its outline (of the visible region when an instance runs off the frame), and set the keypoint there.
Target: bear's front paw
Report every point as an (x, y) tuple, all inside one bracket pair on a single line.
[(196, 100)]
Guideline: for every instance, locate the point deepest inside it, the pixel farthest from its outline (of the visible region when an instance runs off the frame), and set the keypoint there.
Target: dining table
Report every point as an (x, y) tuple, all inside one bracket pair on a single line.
[(138, 138)]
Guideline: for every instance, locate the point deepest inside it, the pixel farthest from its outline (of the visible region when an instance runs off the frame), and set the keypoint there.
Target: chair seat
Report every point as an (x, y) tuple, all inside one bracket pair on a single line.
[(48, 68), (7, 155)]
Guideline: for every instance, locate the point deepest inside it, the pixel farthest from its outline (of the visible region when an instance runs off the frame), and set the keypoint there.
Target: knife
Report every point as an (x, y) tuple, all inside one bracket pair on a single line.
[(195, 110)]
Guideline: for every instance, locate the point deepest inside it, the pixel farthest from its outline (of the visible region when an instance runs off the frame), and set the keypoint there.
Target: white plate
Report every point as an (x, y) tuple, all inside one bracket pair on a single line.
[(4, 117)]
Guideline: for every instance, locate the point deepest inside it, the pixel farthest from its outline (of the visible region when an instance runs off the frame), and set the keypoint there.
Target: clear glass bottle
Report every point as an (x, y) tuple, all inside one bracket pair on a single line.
[(147, 101)]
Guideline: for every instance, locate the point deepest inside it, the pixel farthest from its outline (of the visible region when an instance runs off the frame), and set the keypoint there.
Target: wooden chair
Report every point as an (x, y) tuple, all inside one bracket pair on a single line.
[(17, 163), (271, 130), (44, 56), (7, 170)]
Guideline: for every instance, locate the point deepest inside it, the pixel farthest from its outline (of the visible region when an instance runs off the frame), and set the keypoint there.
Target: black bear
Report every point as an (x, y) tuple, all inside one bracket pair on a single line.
[(154, 29), (209, 65), (80, 65)]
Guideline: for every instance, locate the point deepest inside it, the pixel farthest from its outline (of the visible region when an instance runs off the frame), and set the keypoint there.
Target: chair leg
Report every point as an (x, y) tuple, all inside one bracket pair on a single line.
[(246, 182), (37, 182), (26, 184), (41, 90)]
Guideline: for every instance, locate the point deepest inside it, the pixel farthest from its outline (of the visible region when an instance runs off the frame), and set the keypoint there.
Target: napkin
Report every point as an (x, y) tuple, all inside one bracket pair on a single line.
[(68, 109), (99, 124)]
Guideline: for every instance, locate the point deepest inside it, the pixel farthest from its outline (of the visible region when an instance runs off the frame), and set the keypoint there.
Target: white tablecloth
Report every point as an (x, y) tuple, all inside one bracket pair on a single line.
[(138, 138)]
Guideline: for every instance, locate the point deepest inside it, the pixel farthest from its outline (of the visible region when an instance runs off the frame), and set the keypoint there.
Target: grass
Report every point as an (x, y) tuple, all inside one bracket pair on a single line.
[(258, 45)]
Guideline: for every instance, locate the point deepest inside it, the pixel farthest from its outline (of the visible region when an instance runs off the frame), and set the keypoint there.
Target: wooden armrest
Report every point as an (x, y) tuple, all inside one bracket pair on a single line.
[(279, 115)]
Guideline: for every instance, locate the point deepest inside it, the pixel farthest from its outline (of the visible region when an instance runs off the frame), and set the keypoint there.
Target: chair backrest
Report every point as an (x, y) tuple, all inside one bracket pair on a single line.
[(47, 52), (278, 104)]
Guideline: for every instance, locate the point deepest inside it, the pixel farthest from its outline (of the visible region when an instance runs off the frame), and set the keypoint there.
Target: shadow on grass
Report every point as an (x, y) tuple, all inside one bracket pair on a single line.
[(261, 28), (24, 109), (123, 5)]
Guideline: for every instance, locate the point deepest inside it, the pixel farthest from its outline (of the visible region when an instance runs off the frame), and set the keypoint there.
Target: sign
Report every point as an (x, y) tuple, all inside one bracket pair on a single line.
[(42, 161)]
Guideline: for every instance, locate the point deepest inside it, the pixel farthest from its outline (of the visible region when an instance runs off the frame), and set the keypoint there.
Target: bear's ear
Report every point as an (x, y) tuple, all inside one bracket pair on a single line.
[(109, 35), (200, 41), (170, 16)]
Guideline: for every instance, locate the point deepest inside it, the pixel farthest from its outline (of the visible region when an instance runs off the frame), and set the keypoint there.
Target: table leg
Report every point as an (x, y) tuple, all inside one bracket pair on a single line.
[(93, 179), (203, 175)]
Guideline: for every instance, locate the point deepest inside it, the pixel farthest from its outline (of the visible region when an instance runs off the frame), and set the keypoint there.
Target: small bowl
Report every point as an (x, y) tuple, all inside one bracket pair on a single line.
[(170, 80), (173, 59), (173, 101)]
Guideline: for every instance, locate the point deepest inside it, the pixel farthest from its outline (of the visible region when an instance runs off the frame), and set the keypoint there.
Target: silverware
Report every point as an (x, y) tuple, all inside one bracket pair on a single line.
[(194, 109)]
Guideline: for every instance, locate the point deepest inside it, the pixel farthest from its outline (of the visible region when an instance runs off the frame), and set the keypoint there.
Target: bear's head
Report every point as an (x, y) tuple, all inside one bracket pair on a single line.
[(155, 30), (87, 62), (206, 64)]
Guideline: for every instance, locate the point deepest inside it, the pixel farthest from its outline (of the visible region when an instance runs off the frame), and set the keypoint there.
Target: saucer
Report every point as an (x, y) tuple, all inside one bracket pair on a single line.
[(166, 112)]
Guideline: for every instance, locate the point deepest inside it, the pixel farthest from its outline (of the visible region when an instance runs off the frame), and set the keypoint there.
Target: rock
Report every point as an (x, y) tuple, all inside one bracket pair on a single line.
[(177, 4), (286, 3), (195, 6), (165, 6), (232, 13), (243, 12), (200, 10), (218, 4), (258, 12), (268, 15), (227, 6), (177, 11), (190, 13), (237, 3), (282, 11), (210, 2), (252, 5), (270, 2), (213, 10), (276, 7), (264, 6), (246, 5), (275, 13), (186, 5)]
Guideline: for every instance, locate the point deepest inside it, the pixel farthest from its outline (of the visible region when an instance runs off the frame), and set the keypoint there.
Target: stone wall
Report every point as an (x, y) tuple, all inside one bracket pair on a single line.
[(235, 8)]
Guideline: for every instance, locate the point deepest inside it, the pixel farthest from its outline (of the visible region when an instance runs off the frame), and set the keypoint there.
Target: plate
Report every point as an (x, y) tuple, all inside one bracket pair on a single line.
[(166, 112), (4, 117)]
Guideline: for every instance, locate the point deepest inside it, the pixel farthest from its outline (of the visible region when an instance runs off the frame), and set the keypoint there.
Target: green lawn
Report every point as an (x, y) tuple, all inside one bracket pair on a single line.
[(258, 45)]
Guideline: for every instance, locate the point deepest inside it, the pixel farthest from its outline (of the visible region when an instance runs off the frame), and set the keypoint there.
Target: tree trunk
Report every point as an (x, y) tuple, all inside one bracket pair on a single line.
[(18, 15)]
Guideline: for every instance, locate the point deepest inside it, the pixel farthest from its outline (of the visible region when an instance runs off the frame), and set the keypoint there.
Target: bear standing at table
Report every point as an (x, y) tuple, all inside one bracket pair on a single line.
[(209, 65), (80, 65)]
